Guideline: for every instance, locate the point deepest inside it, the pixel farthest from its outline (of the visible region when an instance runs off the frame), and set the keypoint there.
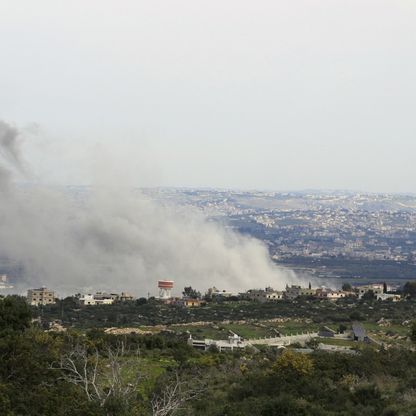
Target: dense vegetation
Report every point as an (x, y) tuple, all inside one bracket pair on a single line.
[(144, 312), (161, 375)]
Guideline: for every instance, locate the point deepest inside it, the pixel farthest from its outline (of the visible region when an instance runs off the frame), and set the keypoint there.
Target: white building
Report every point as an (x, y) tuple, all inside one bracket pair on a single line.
[(215, 293), (234, 342), (87, 300), (97, 299), (389, 296), (104, 298)]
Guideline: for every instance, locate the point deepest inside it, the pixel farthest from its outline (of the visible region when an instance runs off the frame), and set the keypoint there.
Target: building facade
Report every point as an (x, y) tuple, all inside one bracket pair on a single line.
[(266, 295), (376, 289), (42, 296), (294, 291)]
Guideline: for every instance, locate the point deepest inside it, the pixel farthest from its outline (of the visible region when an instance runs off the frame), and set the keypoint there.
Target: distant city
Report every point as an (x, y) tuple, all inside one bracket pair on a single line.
[(329, 234)]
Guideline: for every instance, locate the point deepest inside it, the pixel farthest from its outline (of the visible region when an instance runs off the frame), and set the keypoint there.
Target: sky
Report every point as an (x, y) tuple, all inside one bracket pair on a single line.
[(282, 95)]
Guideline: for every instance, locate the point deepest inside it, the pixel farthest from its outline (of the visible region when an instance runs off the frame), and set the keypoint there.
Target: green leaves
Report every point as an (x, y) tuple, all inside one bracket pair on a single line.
[(15, 314)]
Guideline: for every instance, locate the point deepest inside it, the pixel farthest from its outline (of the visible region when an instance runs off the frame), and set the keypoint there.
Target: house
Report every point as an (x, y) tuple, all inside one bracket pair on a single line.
[(85, 300), (266, 295), (376, 289), (125, 297), (97, 299), (42, 296), (106, 296), (294, 291), (389, 296), (191, 303), (216, 294), (328, 294), (103, 298), (234, 342)]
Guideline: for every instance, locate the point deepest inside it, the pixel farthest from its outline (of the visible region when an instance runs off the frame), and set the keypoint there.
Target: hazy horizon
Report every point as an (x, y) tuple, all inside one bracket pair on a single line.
[(231, 189)]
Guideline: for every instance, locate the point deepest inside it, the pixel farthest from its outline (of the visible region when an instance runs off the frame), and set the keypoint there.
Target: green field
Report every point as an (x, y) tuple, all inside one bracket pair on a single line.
[(258, 329)]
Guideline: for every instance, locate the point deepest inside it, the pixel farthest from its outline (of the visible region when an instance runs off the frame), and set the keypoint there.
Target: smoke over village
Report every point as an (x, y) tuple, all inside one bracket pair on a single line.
[(116, 239)]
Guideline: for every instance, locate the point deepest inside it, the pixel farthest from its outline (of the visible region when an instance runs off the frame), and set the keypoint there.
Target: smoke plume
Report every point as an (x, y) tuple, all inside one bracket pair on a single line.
[(111, 238), (9, 145)]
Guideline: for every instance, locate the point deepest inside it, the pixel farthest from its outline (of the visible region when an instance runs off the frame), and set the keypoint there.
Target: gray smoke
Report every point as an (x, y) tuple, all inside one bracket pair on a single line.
[(9, 145), (115, 239)]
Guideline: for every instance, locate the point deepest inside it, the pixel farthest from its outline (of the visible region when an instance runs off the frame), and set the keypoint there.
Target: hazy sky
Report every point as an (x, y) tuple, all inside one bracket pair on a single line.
[(273, 94)]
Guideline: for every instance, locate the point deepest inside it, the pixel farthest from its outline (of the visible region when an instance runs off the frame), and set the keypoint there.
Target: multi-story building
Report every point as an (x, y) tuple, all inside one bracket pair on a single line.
[(293, 292), (98, 299), (42, 296), (266, 295), (104, 298), (86, 300), (125, 297), (377, 290)]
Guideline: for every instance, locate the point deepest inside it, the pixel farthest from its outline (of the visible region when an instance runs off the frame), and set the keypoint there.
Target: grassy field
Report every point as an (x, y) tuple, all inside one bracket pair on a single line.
[(390, 334), (222, 331), (258, 329), (292, 327), (148, 370)]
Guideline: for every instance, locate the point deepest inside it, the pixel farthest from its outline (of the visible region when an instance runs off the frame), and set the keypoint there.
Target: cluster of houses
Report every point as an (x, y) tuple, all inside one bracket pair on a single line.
[(44, 296), (379, 291), (103, 298)]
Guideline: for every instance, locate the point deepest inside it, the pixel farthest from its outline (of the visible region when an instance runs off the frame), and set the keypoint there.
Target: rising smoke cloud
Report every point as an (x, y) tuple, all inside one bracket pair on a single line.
[(9, 145), (116, 239)]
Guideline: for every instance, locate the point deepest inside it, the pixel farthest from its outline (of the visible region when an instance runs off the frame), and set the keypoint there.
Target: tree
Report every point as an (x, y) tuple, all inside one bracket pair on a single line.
[(413, 331), (102, 378), (175, 395), (346, 287), (313, 343), (190, 293), (342, 328), (384, 287), (293, 363), (369, 295), (141, 301), (409, 289), (15, 314)]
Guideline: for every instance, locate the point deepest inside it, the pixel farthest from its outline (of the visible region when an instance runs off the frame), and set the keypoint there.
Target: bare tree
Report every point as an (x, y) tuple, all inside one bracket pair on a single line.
[(175, 394), (101, 377)]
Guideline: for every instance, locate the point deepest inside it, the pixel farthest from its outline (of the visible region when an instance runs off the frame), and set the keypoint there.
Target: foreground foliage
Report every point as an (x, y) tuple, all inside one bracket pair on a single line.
[(93, 373)]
